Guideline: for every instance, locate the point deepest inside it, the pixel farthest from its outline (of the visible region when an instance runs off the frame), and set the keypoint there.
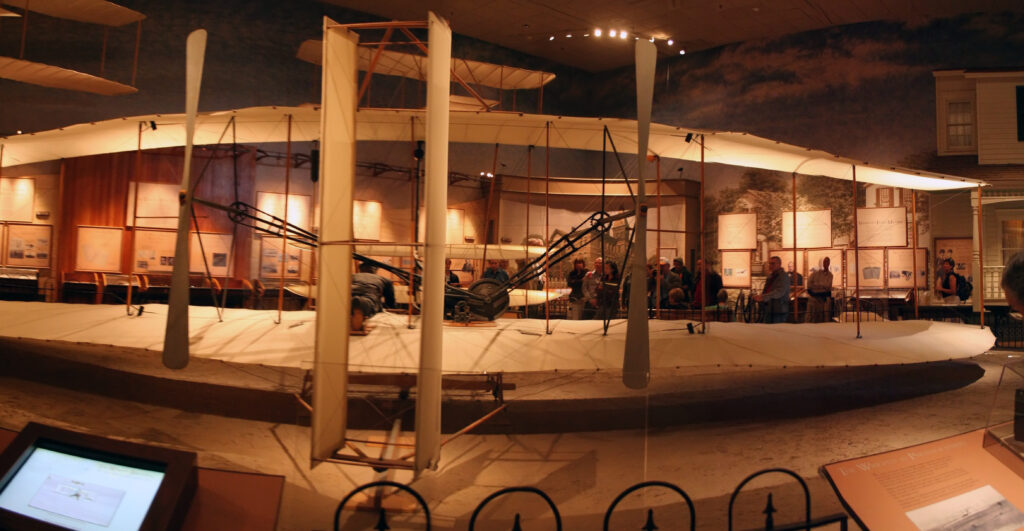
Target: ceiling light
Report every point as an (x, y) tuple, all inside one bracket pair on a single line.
[(551, 38), (682, 52), (19, 131), (611, 33), (586, 34), (622, 34), (652, 39), (597, 32), (568, 35), (671, 42)]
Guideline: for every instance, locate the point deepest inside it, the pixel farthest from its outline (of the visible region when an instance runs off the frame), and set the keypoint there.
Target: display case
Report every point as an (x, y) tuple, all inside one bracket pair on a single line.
[(1006, 418)]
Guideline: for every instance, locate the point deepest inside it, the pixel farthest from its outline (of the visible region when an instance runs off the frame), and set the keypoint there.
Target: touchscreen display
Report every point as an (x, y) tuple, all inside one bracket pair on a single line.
[(78, 491)]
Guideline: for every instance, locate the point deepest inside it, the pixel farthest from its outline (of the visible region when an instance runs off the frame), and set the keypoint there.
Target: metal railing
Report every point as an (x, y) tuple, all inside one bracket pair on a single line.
[(805, 521)]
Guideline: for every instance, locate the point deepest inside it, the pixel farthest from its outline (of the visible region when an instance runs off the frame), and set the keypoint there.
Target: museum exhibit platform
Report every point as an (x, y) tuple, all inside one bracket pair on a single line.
[(247, 366)]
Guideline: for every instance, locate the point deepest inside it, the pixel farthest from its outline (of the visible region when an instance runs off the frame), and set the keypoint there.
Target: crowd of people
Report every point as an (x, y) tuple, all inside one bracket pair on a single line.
[(595, 293)]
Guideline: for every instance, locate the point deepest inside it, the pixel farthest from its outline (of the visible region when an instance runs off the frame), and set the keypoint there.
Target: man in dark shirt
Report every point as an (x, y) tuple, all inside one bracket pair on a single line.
[(495, 272), (575, 282), (450, 277), (774, 298), (368, 289), (714, 285)]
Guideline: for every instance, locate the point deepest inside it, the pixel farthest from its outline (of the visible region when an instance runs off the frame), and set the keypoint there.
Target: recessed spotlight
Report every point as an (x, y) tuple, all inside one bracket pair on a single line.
[(682, 52), (551, 38), (568, 35), (586, 34), (671, 42), (611, 33), (597, 32), (19, 131), (622, 34)]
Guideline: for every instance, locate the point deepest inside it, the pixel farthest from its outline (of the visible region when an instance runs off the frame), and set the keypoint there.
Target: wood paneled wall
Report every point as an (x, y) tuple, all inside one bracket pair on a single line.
[(96, 193)]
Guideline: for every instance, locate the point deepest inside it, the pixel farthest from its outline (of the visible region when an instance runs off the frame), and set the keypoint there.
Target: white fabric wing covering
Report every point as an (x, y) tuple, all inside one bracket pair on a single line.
[(413, 66), (61, 78), (91, 11), (268, 124), (250, 336)]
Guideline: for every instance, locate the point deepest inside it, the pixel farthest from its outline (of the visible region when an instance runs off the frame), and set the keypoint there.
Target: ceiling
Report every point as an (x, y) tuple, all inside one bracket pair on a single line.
[(528, 25)]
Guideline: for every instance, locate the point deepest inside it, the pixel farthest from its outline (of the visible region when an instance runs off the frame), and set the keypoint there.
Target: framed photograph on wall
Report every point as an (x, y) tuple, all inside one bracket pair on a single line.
[(157, 205), (813, 229), (271, 258), (871, 264), (882, 227), (154, 251), (736, 269), (217, 250), (737, 231), (366, 219), (901, 267), (17, 199), (961, 250), (816, 259), (299, 208), (28, 245), (99, 249)]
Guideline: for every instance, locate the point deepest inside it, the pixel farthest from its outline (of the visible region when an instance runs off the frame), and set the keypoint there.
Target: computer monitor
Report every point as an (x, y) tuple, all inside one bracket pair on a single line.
[(52, 478)]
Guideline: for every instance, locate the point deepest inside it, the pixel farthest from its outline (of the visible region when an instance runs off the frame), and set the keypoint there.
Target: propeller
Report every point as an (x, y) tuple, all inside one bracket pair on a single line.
[(636, 361), (175, 354)]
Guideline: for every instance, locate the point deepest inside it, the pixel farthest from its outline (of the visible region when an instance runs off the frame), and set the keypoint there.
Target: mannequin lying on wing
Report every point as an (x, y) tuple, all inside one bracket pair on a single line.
[(368, 290)]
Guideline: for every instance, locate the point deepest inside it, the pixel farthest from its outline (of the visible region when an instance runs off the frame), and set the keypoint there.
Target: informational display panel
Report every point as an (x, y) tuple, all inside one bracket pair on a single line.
[(813, 229), (154, 251), (17, 199), (816, 259), (270, 259), (736, 269), (299, 208), (99, 249), (737, 231), (28, 245), (960, 250), (366, 217), (216, 248), (455, 225), (871, 263), (901, 268), (955, 483), (157, 205), (882, 227), (786, 255)]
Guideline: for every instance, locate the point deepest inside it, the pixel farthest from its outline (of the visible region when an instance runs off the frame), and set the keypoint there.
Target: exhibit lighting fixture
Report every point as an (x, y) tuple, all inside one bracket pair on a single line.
[(682, 52), (568, 35), (652, 39), (19, 131), (152, 125), (622, 34), (597, 32), (689, 137), (670, 42), (551, 38), (611, 33)]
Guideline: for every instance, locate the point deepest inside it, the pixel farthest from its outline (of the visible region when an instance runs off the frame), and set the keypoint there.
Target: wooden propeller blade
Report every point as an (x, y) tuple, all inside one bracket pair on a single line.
[(636, 361), (175, 354)]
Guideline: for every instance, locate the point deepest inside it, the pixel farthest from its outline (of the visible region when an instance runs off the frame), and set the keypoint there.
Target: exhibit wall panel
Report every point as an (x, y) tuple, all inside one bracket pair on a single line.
[(96, 193)]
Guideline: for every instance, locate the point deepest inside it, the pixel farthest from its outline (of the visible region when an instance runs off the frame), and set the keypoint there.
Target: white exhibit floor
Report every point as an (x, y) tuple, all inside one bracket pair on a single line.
[(510, 345)]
